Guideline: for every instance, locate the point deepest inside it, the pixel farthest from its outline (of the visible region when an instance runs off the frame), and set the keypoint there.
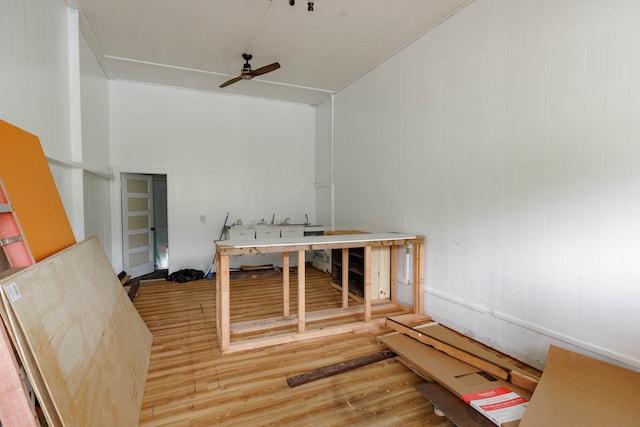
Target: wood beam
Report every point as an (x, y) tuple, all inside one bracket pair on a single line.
[(367, 284), (339, 368), (345, 277), (521, 379), (285, 283), (225, 301), (301, 290)]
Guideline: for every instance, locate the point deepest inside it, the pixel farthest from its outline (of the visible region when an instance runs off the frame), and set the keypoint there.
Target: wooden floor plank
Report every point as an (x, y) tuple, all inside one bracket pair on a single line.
[(190, 382)]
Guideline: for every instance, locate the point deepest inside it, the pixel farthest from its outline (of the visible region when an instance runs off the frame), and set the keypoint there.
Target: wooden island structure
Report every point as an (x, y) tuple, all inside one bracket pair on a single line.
[(228, 248)]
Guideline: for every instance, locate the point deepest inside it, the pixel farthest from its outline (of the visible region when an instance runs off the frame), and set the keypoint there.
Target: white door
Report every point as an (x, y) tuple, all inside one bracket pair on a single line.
[(137, 224)]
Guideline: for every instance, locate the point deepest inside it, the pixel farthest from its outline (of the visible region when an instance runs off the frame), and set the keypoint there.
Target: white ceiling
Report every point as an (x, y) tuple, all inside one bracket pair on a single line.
[(198, 43)]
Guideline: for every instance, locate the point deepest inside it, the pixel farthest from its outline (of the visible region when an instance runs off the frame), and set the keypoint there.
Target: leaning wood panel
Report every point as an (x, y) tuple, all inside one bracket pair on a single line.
[(28, 362), (15, 407), (88, 342), (25, 173)]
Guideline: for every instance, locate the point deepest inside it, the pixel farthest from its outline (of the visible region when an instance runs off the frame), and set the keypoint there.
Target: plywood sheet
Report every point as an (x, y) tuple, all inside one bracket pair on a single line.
[(29, 362), (15, 407), (577, 390), (27, 178), (82, 333)]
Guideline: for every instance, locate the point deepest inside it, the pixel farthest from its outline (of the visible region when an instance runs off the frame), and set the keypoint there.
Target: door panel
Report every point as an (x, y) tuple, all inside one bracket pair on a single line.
[(137, 224)]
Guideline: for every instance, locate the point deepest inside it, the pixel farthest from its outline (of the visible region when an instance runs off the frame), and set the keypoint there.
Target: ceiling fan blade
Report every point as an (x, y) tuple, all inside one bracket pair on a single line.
[(230, 82), (264, 70)]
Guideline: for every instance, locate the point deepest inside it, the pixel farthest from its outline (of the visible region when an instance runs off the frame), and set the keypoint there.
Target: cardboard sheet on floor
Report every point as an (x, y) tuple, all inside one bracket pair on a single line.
[(576, 390), (27, 178), (458, 341), (80, 337), (458, 377)]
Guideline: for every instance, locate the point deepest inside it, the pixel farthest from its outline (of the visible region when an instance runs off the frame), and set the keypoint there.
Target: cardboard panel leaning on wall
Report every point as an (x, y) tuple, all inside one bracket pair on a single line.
[(577, 390), (33, 193), (79, 337)]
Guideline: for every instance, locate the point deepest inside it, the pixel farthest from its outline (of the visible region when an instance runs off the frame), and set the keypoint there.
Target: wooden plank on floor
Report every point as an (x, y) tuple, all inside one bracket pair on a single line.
[(339, 368), (354, 327), (461, 414), (82, 335), (313, 316), (456, 346)]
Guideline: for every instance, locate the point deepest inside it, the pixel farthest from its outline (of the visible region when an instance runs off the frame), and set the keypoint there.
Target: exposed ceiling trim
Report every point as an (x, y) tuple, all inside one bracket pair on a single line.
[(197, 46)]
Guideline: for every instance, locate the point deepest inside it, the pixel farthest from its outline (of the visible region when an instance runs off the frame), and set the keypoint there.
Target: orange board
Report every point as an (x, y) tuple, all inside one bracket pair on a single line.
[(29, 184)]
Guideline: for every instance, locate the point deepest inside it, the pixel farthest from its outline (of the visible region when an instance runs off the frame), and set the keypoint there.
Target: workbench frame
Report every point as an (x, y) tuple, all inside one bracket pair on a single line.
[(227, 248)]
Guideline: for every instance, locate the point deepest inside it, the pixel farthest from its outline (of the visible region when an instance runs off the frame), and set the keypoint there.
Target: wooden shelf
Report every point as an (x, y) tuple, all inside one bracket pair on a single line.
[(380, 273)]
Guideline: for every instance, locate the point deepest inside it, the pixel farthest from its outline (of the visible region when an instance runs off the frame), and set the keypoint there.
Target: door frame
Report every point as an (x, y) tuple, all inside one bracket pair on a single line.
[(116, 212)]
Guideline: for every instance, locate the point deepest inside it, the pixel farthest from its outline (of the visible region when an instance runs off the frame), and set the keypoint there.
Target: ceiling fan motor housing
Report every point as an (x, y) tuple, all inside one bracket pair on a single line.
[(246, 68)]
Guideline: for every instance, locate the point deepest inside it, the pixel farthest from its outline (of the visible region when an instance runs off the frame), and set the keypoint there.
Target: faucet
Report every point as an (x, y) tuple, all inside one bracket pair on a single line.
[(287, 220), (273, 218), (306, 219)]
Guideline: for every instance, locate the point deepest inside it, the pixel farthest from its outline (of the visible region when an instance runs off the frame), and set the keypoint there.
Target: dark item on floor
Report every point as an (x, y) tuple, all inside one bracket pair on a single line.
[(185, 275), (339, 368), (456, 410)]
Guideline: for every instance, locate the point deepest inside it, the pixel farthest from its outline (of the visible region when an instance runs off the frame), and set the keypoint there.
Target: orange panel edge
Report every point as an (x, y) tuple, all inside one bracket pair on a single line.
[(33, 193)]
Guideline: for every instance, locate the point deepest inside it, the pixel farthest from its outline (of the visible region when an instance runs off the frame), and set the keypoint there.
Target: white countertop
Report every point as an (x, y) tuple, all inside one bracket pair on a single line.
[(315, 240)]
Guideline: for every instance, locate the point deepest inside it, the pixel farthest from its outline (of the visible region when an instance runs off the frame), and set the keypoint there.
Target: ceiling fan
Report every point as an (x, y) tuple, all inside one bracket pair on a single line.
[(247, 73)]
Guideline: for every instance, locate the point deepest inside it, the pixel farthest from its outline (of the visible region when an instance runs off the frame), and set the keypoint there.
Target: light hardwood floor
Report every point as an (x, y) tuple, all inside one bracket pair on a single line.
[(190, 383)]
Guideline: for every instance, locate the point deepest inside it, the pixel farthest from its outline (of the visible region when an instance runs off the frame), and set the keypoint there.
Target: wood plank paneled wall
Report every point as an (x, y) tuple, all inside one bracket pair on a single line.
[(508, 137)]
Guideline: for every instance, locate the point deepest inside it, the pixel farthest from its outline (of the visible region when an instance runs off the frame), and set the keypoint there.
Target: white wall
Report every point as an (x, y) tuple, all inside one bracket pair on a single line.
[(324, 164), (34, 71), (38, 84), (94, 90), (250, 157), (508, 136), (47, 77), (96, 153)]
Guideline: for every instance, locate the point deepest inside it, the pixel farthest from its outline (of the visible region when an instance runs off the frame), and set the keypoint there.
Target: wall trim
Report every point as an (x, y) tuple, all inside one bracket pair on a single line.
[(76, 165), (630, 361), (459, 301)]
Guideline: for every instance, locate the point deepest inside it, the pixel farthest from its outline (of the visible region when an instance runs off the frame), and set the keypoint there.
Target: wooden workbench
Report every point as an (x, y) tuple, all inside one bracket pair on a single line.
[(228, 248)]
